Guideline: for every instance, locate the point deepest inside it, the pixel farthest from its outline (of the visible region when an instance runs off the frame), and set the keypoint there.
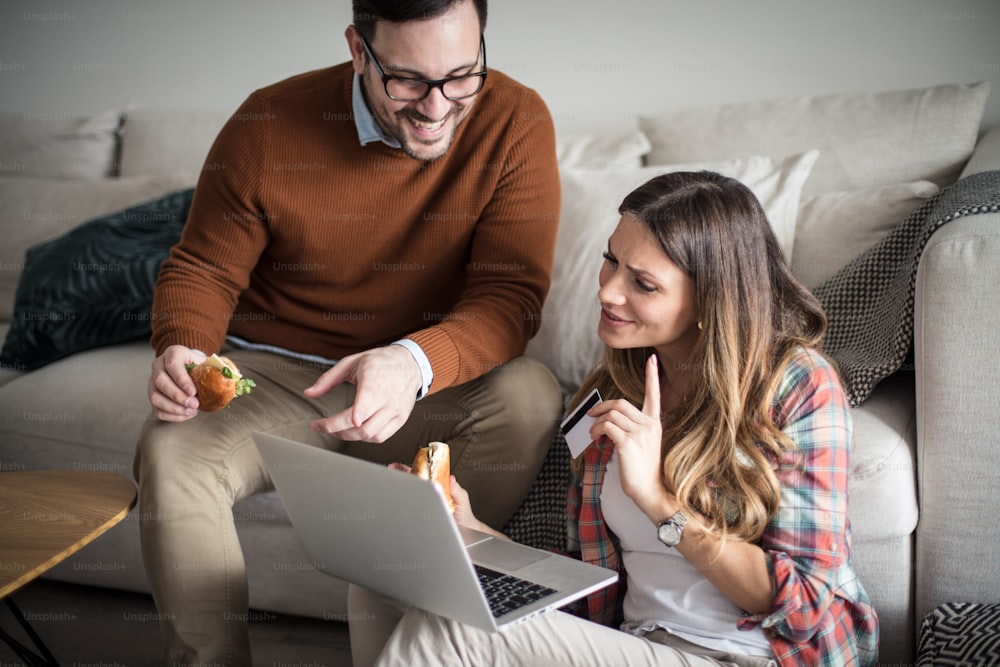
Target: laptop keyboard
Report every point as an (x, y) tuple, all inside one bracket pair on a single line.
[(506, 593)]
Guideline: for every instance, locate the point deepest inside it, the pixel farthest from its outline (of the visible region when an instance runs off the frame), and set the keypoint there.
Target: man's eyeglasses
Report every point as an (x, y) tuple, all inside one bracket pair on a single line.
[(408, 89)]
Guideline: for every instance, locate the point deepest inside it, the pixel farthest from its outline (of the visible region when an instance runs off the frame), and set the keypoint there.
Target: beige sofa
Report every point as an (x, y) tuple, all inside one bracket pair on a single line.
[(835, 173)]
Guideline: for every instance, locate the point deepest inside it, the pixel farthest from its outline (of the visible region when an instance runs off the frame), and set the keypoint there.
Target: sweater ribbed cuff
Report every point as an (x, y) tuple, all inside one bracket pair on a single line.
[(442, 354)]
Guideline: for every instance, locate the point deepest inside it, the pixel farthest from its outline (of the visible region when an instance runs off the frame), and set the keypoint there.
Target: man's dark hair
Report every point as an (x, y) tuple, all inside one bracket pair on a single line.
[(367, 12)]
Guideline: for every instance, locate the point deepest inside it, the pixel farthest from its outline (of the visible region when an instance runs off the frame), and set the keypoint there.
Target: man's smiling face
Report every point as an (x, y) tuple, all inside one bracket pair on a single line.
[(437, 48)]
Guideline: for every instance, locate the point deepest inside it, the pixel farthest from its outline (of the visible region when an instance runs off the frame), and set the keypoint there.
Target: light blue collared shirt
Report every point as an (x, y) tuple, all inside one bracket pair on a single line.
[(364, 121), (368, 132)]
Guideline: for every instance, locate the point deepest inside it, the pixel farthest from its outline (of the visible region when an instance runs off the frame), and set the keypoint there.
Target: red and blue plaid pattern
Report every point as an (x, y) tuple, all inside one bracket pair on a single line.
[(821, 614)]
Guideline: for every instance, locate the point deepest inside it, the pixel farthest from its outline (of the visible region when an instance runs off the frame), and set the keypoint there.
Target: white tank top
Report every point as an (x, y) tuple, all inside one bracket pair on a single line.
[(664, 589)]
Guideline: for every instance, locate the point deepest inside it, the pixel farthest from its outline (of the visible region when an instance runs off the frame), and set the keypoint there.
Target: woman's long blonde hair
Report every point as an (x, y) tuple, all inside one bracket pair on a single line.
[(720, 449)]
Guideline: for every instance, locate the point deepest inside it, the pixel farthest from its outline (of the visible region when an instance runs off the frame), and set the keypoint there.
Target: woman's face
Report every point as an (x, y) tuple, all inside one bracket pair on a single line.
[(646, 300)]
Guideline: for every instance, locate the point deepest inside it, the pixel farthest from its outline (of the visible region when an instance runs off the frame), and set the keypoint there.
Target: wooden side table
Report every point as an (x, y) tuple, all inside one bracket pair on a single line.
[(45, 517)]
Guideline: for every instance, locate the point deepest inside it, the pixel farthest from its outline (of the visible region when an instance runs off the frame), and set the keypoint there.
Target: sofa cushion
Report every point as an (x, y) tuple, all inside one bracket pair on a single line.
[(883, 481), (835, 227), (83, 411), (866, 139), (163, 141), (567, 340), (58, 145), (93, 286), (987, 155), (885, 569), (623, 150), (38, 209)]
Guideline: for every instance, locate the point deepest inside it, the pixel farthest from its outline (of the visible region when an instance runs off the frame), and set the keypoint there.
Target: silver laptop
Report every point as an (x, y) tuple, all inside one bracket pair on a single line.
[(392, 533)]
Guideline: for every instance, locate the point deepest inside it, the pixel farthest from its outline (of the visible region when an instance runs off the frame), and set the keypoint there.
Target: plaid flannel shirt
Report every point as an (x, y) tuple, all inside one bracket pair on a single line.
[(821, 615)]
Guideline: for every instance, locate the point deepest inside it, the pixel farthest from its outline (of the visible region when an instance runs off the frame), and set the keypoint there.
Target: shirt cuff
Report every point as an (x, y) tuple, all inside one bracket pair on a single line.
[(426, 373)]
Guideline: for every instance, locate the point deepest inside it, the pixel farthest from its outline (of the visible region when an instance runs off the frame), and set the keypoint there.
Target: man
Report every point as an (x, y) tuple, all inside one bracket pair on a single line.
[(374, 254)]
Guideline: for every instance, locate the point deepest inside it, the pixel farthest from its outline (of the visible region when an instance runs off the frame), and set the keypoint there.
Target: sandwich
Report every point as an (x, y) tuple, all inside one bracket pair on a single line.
[(218, 381), (433, 463)]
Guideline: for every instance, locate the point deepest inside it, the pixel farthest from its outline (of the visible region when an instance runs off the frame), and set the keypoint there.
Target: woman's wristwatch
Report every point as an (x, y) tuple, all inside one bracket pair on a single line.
[(670, 531)]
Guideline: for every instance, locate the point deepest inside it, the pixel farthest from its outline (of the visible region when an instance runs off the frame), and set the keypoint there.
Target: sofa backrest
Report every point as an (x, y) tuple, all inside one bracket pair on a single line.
[(164, 141), (880, 156)]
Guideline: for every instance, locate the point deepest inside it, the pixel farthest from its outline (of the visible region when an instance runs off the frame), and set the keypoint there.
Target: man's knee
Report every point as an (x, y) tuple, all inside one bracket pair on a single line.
[(526, 388), (176, 454), (150, 450), (520, 406)]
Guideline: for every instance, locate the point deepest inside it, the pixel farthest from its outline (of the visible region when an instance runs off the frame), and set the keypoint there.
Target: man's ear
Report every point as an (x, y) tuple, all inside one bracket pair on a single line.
[(357, 50)]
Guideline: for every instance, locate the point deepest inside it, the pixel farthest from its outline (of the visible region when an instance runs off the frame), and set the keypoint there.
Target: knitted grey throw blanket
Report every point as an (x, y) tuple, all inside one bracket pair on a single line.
[(869, 303)]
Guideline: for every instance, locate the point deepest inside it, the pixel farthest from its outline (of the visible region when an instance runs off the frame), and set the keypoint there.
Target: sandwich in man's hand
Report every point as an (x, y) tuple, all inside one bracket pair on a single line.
[(218, 381)]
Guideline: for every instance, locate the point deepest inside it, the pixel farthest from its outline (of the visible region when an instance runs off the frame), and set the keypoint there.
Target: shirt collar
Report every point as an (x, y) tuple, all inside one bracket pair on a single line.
[(364, 121)]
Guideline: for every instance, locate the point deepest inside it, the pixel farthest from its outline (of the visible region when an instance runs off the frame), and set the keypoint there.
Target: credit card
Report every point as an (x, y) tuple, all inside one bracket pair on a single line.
[(576, 426)]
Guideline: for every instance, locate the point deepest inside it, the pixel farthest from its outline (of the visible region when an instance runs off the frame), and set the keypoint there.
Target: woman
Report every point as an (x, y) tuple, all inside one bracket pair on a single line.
[(717, 479)]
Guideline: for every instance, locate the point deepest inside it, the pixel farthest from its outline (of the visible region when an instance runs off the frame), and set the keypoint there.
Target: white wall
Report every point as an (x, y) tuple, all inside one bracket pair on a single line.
[(597, 62)]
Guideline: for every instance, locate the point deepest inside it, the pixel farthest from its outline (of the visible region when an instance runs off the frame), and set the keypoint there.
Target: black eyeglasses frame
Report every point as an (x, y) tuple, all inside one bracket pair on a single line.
[(430, 83)]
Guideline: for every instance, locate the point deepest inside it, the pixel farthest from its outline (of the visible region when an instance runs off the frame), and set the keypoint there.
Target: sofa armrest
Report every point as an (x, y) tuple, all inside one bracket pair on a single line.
[(958, 394)]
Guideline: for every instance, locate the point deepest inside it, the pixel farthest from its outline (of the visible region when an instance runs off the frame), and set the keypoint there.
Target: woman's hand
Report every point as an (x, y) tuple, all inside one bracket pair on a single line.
[(464, 516), (637, 436), (463, 513)]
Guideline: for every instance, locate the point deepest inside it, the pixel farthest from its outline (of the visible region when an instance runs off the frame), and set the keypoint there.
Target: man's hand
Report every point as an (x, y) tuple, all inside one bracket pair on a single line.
[(171, 391), (387, 380)]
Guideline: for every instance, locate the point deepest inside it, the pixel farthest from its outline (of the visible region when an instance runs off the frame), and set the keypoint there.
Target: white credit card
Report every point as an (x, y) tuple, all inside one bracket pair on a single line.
[(576, 426)]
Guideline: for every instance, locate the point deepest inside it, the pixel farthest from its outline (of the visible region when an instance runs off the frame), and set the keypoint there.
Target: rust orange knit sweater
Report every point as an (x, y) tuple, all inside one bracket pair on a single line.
[(302, 238)]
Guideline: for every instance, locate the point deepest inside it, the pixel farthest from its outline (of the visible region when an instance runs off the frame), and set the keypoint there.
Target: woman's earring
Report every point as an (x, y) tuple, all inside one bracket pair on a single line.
[(700, 326)]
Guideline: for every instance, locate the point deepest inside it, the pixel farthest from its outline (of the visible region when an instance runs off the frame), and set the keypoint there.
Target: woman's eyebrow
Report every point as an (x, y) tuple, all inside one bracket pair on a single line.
[(651, 277), (635, 269)]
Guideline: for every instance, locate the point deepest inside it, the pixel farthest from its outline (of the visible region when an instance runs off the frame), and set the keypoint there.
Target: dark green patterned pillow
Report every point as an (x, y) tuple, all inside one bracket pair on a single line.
[(93, 286)]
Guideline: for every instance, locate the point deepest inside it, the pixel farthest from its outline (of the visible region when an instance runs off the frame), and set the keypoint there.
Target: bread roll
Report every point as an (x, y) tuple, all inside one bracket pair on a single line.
[(433, 463), (218, 381)]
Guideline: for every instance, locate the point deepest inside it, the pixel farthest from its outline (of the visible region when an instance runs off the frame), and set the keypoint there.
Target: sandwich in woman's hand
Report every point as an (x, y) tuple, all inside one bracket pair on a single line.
[(218, 381), (433, 463)]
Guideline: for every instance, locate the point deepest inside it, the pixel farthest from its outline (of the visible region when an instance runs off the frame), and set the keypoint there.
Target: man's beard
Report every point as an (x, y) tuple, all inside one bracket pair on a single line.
[(392, 124), (443, 144)]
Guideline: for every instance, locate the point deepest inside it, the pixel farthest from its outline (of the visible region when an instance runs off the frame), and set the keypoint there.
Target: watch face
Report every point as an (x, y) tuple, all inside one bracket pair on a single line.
[(669, 534)]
